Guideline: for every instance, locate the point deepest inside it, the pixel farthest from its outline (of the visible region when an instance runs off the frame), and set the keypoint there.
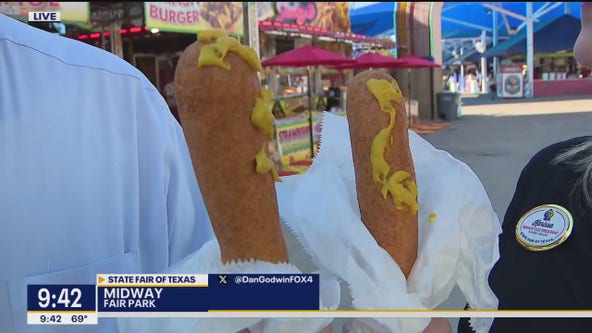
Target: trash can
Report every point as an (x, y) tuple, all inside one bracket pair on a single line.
[(449, 106)]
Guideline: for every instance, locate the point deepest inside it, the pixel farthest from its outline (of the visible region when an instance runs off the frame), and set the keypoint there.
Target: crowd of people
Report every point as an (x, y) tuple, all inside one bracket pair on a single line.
[(96, 177)]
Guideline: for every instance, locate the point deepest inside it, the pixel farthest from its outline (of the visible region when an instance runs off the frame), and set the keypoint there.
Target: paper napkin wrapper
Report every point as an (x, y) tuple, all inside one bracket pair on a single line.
[(208, 260), (458, 245)]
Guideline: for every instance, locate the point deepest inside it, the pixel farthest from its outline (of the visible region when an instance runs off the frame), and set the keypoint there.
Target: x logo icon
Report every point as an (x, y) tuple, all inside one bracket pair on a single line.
[(222, 279)]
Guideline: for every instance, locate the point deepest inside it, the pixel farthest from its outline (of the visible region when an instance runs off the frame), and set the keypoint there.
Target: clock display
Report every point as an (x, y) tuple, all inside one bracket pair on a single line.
[(50, 319), (61, 304), (61, 297), (68, 298)]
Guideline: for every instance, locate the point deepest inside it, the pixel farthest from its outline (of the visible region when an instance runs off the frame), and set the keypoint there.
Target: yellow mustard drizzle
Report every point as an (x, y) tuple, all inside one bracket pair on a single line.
[(400, 184), (264, 164), (213, 54), (261, 117), (208, 36), (432, 218)]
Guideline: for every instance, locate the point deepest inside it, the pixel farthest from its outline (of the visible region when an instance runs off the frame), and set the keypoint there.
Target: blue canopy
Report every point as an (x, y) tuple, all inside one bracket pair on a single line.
[(551, 36), (377, 20), (475, 13)]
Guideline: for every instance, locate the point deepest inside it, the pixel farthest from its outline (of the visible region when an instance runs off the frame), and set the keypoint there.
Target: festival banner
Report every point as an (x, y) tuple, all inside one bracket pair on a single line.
[(333, 16), (70, 12), (192, 17)]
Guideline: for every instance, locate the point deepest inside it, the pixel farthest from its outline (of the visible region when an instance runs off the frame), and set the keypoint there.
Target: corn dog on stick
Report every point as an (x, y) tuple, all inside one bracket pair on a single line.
[(385, 176), (227, 121)]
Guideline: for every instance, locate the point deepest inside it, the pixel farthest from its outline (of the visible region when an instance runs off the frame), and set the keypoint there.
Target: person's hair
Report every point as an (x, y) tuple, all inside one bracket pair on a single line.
[(579, 158)]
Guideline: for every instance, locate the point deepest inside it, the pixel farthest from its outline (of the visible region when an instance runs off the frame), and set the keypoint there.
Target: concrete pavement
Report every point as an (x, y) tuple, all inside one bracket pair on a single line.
[(496, 139)]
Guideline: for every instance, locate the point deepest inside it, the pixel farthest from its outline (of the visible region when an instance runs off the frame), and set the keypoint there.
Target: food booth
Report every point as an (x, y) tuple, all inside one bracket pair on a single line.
[(286, 26), (559, 75), (556, 74)]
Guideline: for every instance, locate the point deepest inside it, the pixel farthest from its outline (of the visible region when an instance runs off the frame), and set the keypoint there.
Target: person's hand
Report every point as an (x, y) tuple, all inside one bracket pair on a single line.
[(324, 330), (583, 45), (438, 325)]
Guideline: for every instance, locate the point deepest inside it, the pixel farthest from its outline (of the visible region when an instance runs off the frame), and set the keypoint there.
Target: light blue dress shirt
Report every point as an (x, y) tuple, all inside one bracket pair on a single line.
[(95, 174)]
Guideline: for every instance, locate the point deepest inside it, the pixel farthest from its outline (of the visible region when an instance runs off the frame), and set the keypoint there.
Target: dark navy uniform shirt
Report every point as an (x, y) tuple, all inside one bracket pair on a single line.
[(556, 279)]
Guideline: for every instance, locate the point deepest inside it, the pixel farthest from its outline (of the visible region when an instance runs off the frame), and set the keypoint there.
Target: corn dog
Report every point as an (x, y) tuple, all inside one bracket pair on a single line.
[(385, 176), (227, 123)]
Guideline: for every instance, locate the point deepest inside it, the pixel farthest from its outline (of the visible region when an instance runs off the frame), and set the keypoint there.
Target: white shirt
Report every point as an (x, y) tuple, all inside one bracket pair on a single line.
[(95, 174)]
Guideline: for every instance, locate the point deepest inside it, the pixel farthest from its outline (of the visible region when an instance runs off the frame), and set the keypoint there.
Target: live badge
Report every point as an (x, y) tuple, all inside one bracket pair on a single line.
[(544, 227)]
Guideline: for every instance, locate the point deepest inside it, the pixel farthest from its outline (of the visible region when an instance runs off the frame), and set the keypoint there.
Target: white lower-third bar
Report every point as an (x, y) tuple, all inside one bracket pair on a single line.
[(354, 314), (62, 318)]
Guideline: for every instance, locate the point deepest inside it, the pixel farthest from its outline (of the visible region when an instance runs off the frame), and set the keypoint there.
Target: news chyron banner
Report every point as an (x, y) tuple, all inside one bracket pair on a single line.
[(171, 293)]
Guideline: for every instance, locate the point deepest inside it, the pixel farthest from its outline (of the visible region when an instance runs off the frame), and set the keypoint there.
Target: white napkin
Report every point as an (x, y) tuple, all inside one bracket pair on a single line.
[(208, 260), (459, 246)]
